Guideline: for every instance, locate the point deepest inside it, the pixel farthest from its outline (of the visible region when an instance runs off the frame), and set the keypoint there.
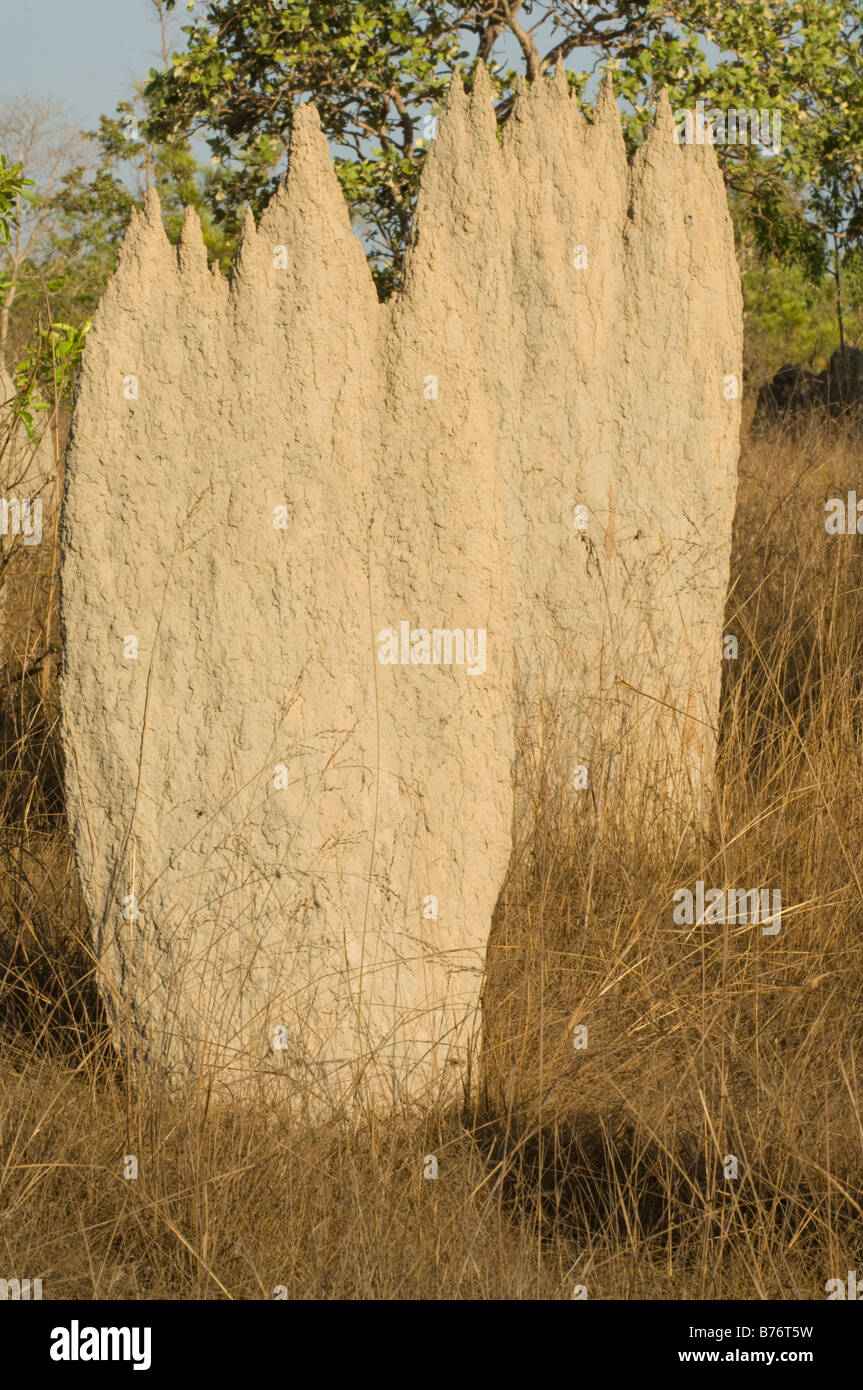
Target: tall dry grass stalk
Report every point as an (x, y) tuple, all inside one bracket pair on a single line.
[(601, 1166)]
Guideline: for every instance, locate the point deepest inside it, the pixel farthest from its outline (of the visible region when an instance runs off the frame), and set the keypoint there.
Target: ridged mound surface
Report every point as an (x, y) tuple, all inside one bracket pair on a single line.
[(266, 817)]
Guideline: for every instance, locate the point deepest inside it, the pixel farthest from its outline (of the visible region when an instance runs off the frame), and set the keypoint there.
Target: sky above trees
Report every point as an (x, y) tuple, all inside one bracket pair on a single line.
[(84, 54)]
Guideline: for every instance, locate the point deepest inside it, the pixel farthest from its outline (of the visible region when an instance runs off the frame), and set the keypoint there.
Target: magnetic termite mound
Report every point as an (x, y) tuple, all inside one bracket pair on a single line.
[(326, 561)]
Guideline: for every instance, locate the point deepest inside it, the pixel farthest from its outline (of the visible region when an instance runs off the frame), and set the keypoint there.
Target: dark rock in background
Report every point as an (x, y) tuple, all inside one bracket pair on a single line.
[(794, 393)]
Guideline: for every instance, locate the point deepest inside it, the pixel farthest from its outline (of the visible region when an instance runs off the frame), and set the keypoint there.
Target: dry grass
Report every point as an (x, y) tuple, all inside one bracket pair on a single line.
[(601, 1167)]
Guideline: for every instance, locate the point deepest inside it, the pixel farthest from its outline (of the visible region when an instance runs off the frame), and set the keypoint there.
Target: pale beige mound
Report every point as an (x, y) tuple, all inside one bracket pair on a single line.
[(621, 393), (289, 510)]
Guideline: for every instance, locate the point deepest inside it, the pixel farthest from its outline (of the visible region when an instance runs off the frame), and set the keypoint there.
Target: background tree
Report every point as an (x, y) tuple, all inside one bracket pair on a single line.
[(377, 69), (39, 139), (68, 223)]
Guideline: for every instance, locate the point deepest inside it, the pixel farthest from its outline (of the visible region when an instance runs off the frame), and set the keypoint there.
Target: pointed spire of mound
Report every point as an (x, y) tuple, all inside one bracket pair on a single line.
[(482, 88), (524, 129), (450, 137), (605, 151), (446, 166), (310, 194), (520, 106), (559, 85), (663, 131), (146, 255), (249, 232), (455, 115), (200, 286), (145, 233), (606, 131), (607, 114), (152, 209), (310, 169), (564, 106), (247, 268), (191, 251), (456, 97), (482, 118), (218, 281), (657, 169)]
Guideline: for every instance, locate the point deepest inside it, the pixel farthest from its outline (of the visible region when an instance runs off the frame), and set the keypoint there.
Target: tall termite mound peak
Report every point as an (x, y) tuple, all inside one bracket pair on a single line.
[(291, 849), (318, 552), (668, 536), (621, 429)]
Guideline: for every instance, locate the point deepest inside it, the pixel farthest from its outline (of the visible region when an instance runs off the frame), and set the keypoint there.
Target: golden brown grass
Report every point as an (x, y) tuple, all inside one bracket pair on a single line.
[(601, 1167)]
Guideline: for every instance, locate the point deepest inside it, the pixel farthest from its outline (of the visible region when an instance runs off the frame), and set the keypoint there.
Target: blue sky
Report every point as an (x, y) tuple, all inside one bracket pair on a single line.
[(85, 54)]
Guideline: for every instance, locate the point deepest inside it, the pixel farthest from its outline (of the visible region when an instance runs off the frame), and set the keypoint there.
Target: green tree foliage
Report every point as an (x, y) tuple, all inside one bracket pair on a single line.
[(789, 318), (45, 374), (13, 185), (56, 351)]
